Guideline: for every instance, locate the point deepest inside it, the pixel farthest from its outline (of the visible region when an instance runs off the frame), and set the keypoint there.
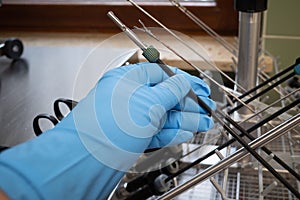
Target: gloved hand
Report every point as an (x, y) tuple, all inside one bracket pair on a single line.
[(131, 109)]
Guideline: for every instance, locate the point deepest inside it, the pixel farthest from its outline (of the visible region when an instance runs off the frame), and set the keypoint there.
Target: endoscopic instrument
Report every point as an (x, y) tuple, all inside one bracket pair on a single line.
[(152, 55)]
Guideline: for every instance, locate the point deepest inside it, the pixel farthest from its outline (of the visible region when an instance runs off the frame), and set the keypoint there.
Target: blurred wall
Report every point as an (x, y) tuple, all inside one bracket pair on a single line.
[(281, 34)]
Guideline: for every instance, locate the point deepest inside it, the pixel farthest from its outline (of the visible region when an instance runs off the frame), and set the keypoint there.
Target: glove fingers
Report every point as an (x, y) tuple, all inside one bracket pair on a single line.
[(169, 137), (189, 105), (193, 122), (171, 91), (200, 88), (151, 74), (198, 85)]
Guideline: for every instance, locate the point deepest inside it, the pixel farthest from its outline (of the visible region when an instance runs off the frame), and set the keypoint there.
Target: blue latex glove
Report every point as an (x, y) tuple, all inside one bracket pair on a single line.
[(131, 109)]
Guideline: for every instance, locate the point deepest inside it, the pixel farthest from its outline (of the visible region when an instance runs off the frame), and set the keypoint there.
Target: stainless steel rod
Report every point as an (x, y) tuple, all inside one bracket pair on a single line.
[(227, 92), (232, 49), (127, 31), (184, 43), (249, 29), (279, 89), (239, 154)]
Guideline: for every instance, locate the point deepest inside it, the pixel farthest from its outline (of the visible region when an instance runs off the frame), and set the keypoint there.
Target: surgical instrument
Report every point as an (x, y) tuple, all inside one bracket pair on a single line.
[(181, 41), (53, 119), (152, 55), (296, 71), (148, 32)]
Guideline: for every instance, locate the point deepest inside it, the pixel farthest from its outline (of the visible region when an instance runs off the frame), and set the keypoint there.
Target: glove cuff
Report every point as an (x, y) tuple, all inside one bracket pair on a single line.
[(22, 190)]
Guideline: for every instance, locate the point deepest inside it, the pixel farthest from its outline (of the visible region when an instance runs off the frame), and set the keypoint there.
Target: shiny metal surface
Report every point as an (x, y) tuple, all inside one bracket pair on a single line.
[(249, 36), (241, 153)]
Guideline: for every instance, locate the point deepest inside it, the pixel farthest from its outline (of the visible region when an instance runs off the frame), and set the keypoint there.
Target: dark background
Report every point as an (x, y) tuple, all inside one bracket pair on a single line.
[(29, 86)]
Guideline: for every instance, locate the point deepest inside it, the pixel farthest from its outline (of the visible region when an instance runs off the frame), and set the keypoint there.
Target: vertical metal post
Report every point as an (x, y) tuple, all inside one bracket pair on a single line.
[(249, 29), (250, 12)]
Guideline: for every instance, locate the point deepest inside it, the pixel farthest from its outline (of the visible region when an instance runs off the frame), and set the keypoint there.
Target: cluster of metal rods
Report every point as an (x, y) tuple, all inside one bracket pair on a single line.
[(235, 130)]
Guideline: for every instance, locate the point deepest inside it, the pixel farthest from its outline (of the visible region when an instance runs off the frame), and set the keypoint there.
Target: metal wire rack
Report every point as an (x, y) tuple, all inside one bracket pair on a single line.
[(243, 181)]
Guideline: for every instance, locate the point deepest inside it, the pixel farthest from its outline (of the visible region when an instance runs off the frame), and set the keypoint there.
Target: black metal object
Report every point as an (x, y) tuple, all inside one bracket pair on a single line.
[(36, 126), (68, 102), (274, 115), (149, 177), (250, 5), (53, 119), (149, 186), (294, 82), (287, 77), (11, 48), (295, 67), (3, 148), (292, 67)]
